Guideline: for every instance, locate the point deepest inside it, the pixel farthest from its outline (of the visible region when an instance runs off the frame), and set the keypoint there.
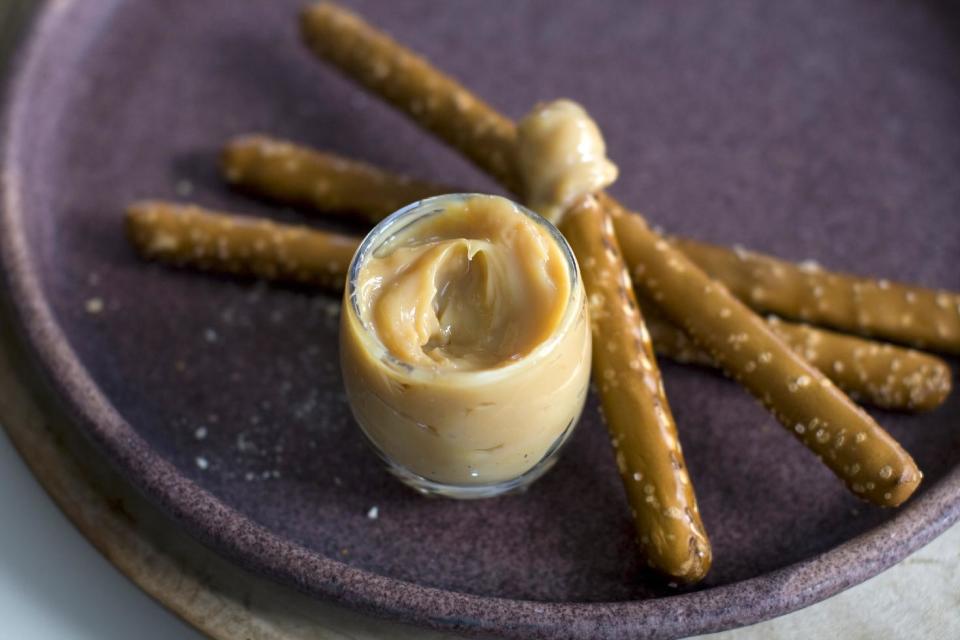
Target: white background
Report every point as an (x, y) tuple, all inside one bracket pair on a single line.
[(53, 584)]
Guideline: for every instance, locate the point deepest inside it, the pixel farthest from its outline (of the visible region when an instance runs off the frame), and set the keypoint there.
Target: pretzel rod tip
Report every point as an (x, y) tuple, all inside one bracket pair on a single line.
[(185, 235)]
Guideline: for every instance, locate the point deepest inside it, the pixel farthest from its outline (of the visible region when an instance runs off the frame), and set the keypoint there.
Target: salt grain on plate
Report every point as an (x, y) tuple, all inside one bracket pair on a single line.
[(94, 305), (184, 188)]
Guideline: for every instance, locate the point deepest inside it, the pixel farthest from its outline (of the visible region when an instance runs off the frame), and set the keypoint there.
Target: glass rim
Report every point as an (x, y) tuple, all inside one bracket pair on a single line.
[(409, 214)]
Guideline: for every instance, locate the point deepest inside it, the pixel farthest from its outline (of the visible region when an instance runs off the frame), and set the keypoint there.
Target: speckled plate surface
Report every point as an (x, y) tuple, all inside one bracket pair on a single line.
[(828, 132)]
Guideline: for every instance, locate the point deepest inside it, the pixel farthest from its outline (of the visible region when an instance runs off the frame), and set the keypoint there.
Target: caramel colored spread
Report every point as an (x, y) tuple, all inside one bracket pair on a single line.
[(465, 347), (562, 156), (475, 287)]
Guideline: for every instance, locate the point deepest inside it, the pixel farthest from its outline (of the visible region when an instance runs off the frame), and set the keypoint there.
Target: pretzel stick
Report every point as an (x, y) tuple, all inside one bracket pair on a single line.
[(300, 176), (295, 174), (211, 241), (624, 370), (880, 374), (433, 99), (884, 375), (898, 312), (853, 445)]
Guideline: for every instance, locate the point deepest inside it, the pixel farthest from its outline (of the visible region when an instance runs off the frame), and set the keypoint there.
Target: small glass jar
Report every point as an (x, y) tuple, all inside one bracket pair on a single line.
[(466, 433)]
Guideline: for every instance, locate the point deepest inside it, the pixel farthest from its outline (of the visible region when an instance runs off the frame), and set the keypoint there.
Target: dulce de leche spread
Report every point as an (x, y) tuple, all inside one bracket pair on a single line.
[(465, 343), (562, 156)]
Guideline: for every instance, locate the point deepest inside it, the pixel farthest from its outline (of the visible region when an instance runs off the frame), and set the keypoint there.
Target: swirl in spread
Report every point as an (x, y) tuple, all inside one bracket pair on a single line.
[(465, 342), (562, 156), (475, 286)]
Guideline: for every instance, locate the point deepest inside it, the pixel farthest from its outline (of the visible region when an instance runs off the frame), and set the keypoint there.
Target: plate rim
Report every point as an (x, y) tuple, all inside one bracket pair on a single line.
[(233, 534)]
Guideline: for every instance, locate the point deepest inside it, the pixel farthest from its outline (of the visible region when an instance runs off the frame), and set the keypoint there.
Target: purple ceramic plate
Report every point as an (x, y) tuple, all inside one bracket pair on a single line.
[(827, 131)]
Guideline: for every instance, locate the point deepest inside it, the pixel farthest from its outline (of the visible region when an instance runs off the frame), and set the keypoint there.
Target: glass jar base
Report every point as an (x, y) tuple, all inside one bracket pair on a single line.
[(471, 491)]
